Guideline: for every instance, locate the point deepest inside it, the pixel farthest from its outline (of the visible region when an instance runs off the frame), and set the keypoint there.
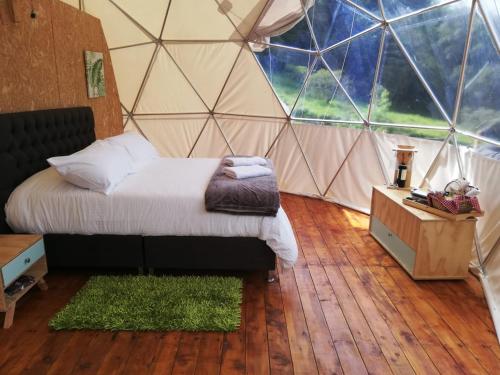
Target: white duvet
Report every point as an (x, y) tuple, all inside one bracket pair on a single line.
[(165, 198)]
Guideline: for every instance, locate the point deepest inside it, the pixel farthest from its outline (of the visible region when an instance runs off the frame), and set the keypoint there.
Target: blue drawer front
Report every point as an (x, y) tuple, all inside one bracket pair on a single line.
[(15, 268), (393, 244)]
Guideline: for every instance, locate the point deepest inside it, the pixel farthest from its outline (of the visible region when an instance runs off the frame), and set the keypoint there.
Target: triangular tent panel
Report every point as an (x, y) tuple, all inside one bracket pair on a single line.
[(325, 147), (291, 167), (243, 14), (352, 185), (130, 66), (119, 30), (354, 64), (160, 130), (129, 127), (198, 20), (250, 136), (202, 68), (149, 14), (439, 64), (132, 126), (489, 225), (480, 106), (247, 91), (73, 3), (167, 90), (426, 142), (334, 21), (403, 100), (286, 70), (445, 167), (211, 142), (323, 98)]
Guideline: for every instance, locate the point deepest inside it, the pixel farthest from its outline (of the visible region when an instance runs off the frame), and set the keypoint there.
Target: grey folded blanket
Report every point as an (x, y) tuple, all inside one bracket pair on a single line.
[(250, 196)]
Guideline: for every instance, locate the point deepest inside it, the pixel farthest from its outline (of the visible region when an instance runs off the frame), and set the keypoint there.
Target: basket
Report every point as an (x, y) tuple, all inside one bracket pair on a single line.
[(459, 204)]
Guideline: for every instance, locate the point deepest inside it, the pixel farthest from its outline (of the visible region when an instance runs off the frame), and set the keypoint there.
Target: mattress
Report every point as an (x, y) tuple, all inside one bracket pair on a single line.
[(164, 198)]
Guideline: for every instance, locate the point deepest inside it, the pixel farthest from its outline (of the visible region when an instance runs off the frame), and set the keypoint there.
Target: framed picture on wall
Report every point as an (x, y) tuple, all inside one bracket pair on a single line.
[(94, 69)]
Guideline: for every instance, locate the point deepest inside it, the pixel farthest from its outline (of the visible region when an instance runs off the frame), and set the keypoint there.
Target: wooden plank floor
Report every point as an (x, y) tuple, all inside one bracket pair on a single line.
[(346, 307)]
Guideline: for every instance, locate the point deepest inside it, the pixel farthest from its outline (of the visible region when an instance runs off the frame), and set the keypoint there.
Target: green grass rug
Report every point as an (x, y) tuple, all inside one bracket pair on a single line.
[(144, 303)]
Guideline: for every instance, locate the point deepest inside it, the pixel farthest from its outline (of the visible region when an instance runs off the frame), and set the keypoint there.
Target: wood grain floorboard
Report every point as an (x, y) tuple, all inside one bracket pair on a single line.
[(257, 348), (345, 308), (166, 353), (443, 361), (234, 346), (280, 358)]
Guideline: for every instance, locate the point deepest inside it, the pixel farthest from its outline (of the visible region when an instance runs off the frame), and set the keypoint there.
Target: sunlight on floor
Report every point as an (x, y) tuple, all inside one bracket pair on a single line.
[(356, 220)]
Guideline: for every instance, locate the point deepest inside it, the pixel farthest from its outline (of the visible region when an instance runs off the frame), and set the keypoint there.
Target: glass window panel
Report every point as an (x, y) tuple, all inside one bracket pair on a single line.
[(483, 148), (370, 5), (435, 41), (401, 97), (431, 134), (286, 70), (322, 98), (317, 122), (396, 8), (335, 21), (492, 10), (354, 64), (299, 36), (480, 106)]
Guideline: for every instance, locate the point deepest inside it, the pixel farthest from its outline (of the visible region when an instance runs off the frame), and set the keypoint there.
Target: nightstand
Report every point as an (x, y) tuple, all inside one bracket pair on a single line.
[(427, 246), (20, 254)]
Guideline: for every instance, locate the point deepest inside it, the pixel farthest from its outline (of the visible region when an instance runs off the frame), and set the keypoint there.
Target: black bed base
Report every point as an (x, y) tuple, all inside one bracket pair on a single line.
[(165, 252)]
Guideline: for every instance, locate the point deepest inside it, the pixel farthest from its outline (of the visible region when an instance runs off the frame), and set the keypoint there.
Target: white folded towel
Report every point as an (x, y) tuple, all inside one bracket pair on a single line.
[(246, 171), (236, 161)]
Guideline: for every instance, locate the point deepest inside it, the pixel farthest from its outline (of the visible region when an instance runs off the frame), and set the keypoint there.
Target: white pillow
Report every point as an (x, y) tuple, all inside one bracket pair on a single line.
[(99, 167), (139, 148)]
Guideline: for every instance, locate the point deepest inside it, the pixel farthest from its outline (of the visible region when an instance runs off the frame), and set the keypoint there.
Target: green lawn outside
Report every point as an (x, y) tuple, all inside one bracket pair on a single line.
[(319, 108)]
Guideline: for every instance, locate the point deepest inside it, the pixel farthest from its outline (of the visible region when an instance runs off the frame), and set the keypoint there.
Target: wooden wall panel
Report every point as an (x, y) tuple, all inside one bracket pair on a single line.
[(28, 75), (42, 61)]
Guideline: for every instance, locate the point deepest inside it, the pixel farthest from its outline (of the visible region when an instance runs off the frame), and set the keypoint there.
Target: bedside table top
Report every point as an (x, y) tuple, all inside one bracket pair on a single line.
[(11, 245)]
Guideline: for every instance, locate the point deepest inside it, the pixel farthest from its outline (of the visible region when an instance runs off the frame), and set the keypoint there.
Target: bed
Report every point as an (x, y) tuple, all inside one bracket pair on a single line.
[(155, 218)]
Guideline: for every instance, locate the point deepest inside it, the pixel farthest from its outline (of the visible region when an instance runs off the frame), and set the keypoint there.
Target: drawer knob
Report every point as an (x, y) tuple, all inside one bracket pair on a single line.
[(27, 260), (389, 234)]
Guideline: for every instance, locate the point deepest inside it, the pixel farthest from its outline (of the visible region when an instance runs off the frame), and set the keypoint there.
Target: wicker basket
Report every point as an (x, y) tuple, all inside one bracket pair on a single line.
[(455, 206)]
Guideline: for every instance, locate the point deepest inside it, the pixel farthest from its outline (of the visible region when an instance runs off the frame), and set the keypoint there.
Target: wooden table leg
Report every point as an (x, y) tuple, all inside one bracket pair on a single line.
[(42, 284), (9, 316)]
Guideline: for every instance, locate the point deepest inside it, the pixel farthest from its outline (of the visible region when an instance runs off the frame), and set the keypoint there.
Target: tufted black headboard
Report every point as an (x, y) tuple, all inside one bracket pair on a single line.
[(27, 139)]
